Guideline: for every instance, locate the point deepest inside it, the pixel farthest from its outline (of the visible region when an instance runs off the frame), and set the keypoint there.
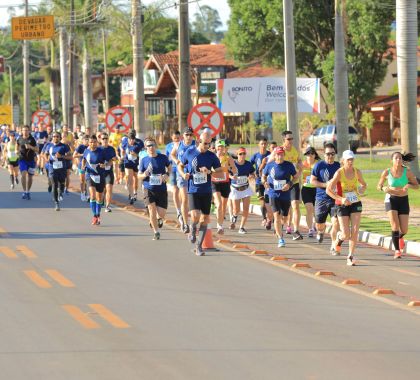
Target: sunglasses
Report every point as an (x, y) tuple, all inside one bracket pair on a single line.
[(330, 154), (187, 134), (104, 138), (241, 154), (150, 145), (291, 138)]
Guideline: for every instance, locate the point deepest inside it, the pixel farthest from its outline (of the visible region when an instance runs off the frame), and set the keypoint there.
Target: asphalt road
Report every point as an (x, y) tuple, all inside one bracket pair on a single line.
[(87, 302)]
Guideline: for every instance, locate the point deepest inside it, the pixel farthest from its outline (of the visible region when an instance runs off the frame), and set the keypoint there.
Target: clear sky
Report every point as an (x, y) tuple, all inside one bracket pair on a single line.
[(221, 5)]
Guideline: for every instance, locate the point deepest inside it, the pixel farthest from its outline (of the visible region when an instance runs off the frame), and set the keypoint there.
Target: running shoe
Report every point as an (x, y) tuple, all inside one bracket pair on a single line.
[(242, 231), (108, 209), (397, 255), (185, 228), (98, 220), (233, 221), (192, 238), (156, 236), (160, 222), (131, 201), (28, 196), (281, 243), (263, 222), (66, 191), (297, 236), (350, 261), (60, 198), (337, 248), (82, 197), (401, 243), (311, 233), (220, 230), (94, 220), (57, 206), (199, 251), (268, 225), (135, 197), (24, 196), (12, 186), (334, 251), (288, 230), (320, 237)]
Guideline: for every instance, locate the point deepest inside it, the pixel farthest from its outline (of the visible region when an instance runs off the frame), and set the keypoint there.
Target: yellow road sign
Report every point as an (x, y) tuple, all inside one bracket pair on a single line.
[(32, 28), (5, 114)]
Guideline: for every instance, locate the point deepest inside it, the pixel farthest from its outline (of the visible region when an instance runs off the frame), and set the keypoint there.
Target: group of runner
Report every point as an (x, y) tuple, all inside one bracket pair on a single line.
[(203, 172)]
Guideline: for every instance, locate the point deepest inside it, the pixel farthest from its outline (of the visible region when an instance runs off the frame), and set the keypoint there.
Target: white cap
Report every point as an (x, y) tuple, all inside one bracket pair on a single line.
[(348, 154)]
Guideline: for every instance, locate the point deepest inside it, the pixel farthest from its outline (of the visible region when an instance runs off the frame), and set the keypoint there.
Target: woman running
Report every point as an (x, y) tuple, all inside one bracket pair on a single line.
[(346, 187), (400, 178), (240, 188), (308, 191), (12, 154)]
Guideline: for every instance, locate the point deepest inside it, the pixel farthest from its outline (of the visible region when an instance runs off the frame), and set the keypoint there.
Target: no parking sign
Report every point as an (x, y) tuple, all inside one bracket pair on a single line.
[(41, 116), (206, 115), (118, 116)]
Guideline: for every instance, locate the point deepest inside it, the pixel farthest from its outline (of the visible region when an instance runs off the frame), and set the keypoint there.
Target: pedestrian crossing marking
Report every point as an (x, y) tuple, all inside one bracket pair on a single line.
[(8, 252), (81, 317), (109, 316), (37, 279), (24, 250), (58, 277)]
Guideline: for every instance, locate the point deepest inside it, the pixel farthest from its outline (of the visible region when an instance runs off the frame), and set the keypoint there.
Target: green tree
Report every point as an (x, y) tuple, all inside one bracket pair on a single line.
[(207, 22), (367, 121)]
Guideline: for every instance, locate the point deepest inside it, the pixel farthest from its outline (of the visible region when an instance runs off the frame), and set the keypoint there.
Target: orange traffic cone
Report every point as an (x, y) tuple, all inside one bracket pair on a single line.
[(208, 244)]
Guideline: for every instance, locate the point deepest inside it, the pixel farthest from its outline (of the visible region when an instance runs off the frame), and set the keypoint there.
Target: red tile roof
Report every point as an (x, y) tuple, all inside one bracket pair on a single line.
[(255, 70)]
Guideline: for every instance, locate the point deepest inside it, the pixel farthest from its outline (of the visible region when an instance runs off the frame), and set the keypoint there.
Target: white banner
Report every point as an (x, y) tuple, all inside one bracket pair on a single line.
[(266, 95)]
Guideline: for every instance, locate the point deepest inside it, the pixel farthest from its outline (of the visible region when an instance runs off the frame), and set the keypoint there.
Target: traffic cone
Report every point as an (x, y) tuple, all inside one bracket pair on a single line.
[(208, 243)]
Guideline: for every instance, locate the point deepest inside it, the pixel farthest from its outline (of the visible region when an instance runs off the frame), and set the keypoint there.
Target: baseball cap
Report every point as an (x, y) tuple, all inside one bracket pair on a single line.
[(188, 130), (309, 150), (220, 142), (241, 150), (348, 154), (278, 150)]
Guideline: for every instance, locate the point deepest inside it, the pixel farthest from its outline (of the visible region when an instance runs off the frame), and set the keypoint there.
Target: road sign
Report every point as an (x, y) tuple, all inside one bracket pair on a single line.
[(41, 116), (206, 115), (5, 114), (118, 116), (1, 65), (32, 28)]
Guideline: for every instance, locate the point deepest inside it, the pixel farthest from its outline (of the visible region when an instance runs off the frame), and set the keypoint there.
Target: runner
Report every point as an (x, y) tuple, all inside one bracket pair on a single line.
[(11, 155), (308, 191), (240, 189), (256, 160), (400, 178), (27, 153), (322, 172), (115, 141), (67, 139), (58, 154), (78, 155), (176, 156), (41, 137), (346, 187), (93, 163), (176, 138), (154, 170), (131, 152), (278, 178), (110, 156), (195, 168), (221, 184)]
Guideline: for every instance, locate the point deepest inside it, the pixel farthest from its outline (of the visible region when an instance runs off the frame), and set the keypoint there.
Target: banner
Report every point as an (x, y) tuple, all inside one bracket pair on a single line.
[(266, 95)]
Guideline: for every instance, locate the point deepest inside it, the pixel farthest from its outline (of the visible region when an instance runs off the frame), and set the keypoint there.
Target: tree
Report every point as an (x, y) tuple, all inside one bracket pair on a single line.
[(207, 22), (367, 121)]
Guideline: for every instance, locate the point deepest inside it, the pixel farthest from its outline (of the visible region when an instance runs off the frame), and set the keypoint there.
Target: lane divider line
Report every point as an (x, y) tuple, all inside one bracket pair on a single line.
[(24, 250), (406, 272), (109, 316), (81, 317), (37, 279), (8, 252), (58, 277)]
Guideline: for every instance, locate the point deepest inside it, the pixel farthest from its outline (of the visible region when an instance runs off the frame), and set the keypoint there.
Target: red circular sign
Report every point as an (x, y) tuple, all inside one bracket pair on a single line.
[(118, 116), (206, 115), (41, 116)]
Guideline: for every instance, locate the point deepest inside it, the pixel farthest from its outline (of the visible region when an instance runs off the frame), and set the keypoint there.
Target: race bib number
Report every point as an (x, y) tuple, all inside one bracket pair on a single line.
[(95, 178), (242, 180), (108, 167), (131, 157), (31, 171), (351, 197), (308, 180), (155, 179), (41, 141), (387, 198), (57, 164), (199, 178), (220, 177), (279, 184)]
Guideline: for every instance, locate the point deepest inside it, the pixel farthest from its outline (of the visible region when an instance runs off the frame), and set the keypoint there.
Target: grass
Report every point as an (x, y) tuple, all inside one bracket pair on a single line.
[(382, 227)]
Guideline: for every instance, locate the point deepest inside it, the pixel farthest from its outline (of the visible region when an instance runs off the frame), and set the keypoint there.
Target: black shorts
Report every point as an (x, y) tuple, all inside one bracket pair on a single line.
[(160, 198), (295, 192), (15, 164), (121, 166), (58, 175), (308, 195), (347, 210), (281, 206), (323, 208), (200, 201), (132, 166), (399, 204), (109, 178), (260, 190), (222, 188), (99, 187)]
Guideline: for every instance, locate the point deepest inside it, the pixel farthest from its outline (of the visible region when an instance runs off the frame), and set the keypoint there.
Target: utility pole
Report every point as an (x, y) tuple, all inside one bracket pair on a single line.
[(71, 65), (184, 65), (106, 104), (64, 76), (26, 91), (290, 66), (11, 89), (407, 76), (87, 87), (341, 86), (138, 67)]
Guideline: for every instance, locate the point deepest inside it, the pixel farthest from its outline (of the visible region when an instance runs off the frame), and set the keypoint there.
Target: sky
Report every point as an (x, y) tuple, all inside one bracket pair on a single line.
[(221, 5)]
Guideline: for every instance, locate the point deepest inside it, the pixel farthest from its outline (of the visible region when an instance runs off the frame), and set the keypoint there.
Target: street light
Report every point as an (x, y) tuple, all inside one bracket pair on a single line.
[(11, 90)]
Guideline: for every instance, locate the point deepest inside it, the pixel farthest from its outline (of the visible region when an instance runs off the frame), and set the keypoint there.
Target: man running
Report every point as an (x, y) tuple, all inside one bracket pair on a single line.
[(196, 167), (27, 154), (176, 138), (78, 155), (131, 152), (110, 156), (154, 172), (41, 137)]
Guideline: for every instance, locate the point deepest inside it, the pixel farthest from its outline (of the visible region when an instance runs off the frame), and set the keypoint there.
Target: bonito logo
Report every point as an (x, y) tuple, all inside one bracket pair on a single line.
[(234, 92)]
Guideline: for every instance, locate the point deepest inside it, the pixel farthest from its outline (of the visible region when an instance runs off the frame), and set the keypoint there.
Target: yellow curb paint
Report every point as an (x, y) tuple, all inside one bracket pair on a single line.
[(37, 279), (81, 317), (109, 316)]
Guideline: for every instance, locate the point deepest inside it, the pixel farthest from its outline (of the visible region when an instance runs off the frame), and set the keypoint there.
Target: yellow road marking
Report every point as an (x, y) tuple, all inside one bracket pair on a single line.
[(406, 272), (109, 316), (8, 252), (24, 250), (81, 317), (57, 276), (37, 279)]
